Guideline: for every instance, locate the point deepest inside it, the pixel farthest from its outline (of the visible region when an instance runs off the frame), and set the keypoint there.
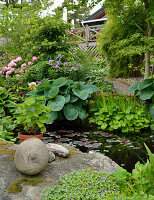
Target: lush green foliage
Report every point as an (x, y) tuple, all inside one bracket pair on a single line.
[(7, 125), (65, 98), (127, 35), (92, 184), (120, 113), (32, 115), (32, 35), (139, 184), (145, 90), (7, 104)]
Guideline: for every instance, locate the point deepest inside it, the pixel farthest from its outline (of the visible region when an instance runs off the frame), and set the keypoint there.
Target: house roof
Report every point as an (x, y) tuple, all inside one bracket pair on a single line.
[(96, 18), (97, 15)]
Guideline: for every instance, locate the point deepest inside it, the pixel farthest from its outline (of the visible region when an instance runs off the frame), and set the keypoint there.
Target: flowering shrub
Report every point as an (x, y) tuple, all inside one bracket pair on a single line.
[(16, 67)]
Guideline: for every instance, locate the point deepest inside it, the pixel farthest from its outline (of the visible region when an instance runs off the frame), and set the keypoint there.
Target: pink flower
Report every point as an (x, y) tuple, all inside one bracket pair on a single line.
[(18, 59), (57, 66), (3, 54), (6, 76), (77, 64), (27, 70), (11, 64), (8, 72), (51, 60), (65, 63), (17, 75), (12, 56), (29, 63), (34, 58), (12, 69), (32, 84), (143, 102), (59, 55), (23, 65), (72, 67), (0, 72), (21, 71)]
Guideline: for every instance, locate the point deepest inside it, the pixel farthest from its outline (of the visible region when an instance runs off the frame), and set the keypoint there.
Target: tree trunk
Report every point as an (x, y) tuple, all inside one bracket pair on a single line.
[(148, 34), (147, 65)]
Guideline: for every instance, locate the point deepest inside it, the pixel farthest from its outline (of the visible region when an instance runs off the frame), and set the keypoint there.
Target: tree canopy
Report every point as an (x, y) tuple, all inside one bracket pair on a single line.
[(127, 37)]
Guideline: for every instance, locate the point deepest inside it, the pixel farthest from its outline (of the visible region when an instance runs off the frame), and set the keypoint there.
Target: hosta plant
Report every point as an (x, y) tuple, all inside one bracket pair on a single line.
[(145, 90), (7, 126), (6, 102), (121, 113), (65, 98)]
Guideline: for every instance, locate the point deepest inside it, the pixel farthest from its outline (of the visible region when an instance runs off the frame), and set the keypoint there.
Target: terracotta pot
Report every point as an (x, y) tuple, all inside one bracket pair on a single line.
[(25, 137)]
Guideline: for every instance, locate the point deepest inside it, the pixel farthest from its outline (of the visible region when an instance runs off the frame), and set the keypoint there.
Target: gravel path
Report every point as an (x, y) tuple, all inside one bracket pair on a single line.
[(122, 85)]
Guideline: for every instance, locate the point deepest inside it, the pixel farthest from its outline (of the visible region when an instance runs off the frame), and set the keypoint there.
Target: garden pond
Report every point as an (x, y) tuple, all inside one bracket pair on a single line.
[(124, 149)]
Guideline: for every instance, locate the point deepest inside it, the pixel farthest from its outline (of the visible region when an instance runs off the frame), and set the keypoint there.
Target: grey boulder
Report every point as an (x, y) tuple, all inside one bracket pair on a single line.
[(58, 149), (31, 156)]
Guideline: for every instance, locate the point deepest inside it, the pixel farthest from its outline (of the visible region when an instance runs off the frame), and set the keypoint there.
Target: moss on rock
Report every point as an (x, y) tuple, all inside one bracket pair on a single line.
[(17, 185), (4, 149)]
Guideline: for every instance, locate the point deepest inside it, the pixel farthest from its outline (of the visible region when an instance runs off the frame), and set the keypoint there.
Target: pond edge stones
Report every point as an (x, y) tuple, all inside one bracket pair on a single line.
[(31, 156), (58, 149)]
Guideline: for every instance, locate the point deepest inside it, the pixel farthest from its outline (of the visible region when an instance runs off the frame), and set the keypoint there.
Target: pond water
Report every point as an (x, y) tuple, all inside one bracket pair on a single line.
[(124, 149)]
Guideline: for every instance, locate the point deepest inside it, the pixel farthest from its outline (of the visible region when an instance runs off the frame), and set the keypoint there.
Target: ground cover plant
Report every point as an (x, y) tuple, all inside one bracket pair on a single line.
[(93, 184), (119, 113)]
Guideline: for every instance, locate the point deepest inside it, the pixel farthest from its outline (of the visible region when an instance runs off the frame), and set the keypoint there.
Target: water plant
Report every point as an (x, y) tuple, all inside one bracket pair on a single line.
[(119, 113)]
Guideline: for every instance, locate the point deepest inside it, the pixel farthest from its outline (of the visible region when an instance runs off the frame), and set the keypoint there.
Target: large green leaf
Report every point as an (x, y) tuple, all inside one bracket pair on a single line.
[(90, 88), (29, 101), (4, 95), (133, 87), (60, 82), (53, 117), (147, 94), (9, 104), (70, 112), (82, 94), (52, 93), (82, 114), (73, 98), (57, 104), (67, 98)]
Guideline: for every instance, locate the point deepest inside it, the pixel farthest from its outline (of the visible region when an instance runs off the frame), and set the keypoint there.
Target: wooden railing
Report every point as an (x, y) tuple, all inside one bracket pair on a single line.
[(86, 34)]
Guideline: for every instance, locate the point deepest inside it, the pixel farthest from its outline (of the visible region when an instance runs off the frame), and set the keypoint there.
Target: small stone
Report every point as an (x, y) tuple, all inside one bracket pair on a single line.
[(58, 149), (31, 156), (51, 156)]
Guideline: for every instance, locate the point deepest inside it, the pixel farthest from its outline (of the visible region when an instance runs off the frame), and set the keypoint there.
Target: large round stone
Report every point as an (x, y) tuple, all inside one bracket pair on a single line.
[(31, 156)]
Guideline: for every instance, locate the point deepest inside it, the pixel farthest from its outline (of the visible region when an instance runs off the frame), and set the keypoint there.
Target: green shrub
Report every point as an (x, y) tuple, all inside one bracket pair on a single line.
[(120, 113), (32, 115), (32, 34), (7, 125), (65, 98)]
